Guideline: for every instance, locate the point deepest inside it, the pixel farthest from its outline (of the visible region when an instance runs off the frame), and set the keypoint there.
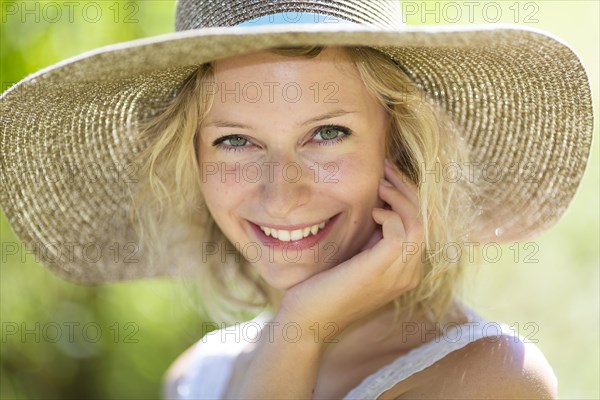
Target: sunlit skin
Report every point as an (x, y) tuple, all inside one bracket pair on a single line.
[(340, 174)]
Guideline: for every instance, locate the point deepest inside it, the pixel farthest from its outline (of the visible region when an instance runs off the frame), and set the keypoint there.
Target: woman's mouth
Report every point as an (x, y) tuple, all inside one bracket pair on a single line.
[(287, 236), (298, 236)]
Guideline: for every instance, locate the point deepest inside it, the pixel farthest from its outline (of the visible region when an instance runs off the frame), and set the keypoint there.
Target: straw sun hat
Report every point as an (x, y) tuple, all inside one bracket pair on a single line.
[(520, 98)]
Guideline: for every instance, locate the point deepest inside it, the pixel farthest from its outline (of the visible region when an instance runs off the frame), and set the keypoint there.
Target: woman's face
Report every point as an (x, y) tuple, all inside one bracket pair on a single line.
[(291, 143)]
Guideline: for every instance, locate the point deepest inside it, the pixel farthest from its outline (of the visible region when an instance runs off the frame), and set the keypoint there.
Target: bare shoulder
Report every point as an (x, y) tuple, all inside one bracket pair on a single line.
[(499, 367), (505, 367), (176, 372)]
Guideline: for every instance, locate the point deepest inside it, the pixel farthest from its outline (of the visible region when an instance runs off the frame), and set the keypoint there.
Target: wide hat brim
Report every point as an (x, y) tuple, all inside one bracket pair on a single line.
[(520, 98)]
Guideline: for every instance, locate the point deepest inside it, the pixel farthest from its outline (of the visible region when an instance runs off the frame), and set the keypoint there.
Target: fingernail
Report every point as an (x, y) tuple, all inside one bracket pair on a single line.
[(385, 182)]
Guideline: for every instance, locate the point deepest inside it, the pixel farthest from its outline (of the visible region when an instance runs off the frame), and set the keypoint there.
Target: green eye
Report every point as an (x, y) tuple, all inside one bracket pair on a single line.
[(237, 141), (331, 134), (232, 143)]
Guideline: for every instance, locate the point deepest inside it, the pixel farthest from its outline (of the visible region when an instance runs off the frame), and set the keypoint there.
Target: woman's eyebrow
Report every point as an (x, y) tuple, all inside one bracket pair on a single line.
[(220, 123), (227, 124), (332, 114)]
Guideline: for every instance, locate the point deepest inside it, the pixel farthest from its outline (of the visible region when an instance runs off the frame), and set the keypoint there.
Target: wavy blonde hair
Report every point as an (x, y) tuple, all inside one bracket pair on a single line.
[(171, 217)]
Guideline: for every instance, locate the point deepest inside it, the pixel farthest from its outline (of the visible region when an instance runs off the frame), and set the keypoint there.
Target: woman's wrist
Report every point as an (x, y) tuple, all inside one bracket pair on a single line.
[(294, 328), (285, 363)]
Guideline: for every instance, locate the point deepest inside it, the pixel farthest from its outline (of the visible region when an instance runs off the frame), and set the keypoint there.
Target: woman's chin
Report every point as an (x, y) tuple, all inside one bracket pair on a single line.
[(284, 275)]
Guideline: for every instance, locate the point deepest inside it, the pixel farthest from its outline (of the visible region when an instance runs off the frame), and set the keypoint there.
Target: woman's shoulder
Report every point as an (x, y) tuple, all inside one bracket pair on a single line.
[(222, 346), (502, 366), (505, 367), (488, 367), (190, 363)]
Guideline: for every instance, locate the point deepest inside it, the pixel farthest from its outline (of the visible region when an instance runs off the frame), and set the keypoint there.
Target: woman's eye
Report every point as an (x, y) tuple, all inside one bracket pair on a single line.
[(236, 141), (329, 134), (231, 142)]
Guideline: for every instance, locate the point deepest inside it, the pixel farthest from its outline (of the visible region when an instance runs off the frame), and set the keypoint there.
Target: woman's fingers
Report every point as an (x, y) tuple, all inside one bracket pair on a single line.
[(401, 182), (391, 223), (399, 265), (396, 238), (400, 204), (402, 196)]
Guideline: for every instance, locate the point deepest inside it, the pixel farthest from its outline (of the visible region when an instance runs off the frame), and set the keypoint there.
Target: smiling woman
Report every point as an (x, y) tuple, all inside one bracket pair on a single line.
[(316, 175), (300, 177), (282, 228), (292, 201)]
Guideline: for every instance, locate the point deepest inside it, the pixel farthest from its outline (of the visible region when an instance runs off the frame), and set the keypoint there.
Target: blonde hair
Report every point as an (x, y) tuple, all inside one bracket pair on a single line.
[(169, 204)]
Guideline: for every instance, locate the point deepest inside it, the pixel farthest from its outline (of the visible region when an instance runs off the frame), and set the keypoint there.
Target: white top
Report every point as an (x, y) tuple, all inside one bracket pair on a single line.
[(213, 357)]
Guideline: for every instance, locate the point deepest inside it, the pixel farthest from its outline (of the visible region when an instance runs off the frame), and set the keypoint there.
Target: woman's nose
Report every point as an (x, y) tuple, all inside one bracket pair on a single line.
[(285, 186)]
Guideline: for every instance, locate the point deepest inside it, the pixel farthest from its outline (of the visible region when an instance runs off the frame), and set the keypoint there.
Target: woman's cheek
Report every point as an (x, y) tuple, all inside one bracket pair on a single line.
[(354, 177), (222, 183), (223, 176)]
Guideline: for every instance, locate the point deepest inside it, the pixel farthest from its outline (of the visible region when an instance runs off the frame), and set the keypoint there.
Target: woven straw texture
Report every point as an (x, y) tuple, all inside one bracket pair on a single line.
[(520, 98)]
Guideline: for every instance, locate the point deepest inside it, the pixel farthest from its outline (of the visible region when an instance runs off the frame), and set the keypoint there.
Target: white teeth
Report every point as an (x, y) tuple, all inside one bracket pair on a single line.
[(286, 236), (296, 235), (314, 229)]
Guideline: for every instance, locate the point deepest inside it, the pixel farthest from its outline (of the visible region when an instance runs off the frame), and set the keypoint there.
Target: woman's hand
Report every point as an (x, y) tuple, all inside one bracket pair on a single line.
[(372, 278)]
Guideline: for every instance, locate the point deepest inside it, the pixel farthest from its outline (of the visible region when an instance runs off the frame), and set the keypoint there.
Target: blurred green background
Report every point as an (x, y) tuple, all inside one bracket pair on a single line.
[(118, 339)]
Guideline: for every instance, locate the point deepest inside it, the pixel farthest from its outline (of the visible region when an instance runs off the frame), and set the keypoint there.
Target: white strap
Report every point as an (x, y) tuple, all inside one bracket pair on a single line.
[(453, 338)]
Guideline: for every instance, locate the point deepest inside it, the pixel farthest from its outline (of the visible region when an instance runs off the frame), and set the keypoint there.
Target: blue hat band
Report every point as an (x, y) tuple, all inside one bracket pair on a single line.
[(294, 17)]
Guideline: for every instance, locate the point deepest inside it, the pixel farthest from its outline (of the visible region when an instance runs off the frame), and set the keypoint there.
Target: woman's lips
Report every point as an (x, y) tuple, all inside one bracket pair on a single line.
[(300, 244)]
